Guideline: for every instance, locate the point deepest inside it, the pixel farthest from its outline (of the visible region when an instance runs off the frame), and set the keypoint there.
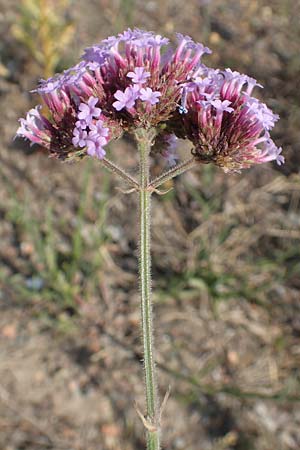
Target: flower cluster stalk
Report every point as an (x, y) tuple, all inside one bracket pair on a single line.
[(120, 172), (174, 172)]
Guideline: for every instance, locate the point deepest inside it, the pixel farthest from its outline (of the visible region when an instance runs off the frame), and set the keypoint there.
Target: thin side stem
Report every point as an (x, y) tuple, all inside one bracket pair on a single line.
[(113, 168), (172, 173), (151, 422)]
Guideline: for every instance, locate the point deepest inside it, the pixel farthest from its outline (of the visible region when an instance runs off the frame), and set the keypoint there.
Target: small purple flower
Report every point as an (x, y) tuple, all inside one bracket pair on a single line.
[(251, 84), (149, 96), (158, 40), (141, 38), (50, 85), (222, 106), (98, 129), (127, 98), (279, 158), (139, 75), (81, 124), (134, 35), (95, 147), (97, 54), (89, 111), (184, 39), (263, 113), (73, 75), (271, 153), (32, 120), (186, 43), (35, 127), (23, 128), (79, 137), (111, 41)]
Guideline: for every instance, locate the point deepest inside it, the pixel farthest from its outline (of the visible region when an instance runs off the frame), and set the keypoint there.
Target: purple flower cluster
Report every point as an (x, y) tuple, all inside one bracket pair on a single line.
[(138, 79), (147, 77), (227, 125)]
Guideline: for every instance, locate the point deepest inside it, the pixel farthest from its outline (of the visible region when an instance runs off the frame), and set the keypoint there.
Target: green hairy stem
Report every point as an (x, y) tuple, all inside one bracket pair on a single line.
[(151, 422)]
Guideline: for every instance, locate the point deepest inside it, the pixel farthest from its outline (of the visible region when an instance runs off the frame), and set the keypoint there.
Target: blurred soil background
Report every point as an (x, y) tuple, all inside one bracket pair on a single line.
[(226, 254)]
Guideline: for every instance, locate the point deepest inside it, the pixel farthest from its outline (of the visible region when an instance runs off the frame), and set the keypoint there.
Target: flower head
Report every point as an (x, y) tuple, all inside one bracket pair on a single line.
[(137, 79), (135, 59), (227, 126)]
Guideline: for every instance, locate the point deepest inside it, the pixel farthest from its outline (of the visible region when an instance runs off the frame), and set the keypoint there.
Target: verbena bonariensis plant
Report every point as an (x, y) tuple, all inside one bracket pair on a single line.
[(139, 84)]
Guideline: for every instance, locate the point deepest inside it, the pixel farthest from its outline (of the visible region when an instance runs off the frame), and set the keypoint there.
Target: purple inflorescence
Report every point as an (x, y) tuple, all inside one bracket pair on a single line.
[(138, 79), (227, 126)]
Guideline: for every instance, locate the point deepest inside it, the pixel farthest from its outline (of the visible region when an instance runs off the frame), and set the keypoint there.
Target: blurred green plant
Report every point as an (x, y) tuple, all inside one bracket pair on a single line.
[(45, 30), (127, 9), (62, 266), (121, 14)]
